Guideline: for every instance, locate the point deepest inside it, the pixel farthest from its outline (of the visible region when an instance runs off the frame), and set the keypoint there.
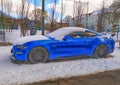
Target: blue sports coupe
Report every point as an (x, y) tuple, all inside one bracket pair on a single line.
[(62, 43)]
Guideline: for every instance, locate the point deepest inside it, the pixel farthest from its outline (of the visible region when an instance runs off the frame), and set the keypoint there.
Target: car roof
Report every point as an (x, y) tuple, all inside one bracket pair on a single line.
[(60, 33)]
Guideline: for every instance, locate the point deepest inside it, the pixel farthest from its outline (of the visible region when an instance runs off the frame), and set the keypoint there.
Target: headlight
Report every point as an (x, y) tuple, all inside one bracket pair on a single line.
[(21, 47)]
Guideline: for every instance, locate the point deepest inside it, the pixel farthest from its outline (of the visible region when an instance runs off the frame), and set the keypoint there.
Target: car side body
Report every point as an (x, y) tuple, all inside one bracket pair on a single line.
[(79, 42)]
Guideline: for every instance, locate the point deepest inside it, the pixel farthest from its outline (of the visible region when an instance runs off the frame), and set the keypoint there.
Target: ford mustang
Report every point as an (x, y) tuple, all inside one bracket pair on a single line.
[(62, 43)]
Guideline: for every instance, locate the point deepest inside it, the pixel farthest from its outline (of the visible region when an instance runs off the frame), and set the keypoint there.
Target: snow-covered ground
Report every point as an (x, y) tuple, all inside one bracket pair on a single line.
[(14, 74)]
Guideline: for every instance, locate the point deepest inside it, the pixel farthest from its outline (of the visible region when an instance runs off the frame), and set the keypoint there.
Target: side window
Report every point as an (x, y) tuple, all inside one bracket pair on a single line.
[(77, 34), (90, 34)]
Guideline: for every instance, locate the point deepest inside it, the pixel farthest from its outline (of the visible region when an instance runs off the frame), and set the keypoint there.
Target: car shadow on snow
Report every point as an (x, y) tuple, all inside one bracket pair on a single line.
[(73, 59), (62, 59)]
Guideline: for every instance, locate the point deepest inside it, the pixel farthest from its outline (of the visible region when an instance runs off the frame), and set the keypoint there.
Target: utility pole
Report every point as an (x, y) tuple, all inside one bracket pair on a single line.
[(43, 3), (2, 21)]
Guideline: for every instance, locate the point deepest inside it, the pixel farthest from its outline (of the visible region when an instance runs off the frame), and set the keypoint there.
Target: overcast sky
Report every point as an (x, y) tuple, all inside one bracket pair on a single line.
[(93, 5)]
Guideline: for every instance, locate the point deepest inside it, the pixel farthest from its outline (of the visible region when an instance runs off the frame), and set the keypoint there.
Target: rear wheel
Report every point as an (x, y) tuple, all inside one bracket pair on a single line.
[(100, 52), (37, 55)]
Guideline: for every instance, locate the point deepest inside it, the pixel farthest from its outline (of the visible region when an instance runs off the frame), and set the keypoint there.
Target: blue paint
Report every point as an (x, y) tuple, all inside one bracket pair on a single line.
[(69, 46)]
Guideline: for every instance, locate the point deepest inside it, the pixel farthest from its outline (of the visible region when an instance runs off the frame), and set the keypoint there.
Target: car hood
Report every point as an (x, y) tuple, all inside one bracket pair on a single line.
[(22, 40)]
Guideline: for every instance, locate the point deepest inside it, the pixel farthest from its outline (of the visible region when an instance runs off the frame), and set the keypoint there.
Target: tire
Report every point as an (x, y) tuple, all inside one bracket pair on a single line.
[(37, 55), (100, 52)]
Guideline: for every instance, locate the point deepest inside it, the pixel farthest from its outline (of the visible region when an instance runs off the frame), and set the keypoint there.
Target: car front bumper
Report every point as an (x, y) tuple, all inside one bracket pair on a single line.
[(17, 55), (14, 60)]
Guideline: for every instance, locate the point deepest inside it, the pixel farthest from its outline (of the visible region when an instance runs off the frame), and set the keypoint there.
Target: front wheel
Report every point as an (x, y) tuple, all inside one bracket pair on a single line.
[(100, 52), (37, 55)]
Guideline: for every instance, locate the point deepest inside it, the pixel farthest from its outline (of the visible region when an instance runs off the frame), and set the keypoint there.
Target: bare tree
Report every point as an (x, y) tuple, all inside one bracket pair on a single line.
[(27, 8), (67, 19), (8, 10), (62, 11), (73, 12), (22, 11), (38, 14), (8, 7), (115, 7), (79, 12), (100, 18), (52, 16)]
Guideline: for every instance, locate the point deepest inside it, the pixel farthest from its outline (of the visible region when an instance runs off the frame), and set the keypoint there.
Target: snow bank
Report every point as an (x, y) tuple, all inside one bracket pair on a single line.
[(11, 36), (25, 39), (13, 74)]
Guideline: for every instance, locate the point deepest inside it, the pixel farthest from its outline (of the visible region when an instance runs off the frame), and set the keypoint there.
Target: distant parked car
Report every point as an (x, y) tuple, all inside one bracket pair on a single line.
[(64, 42)]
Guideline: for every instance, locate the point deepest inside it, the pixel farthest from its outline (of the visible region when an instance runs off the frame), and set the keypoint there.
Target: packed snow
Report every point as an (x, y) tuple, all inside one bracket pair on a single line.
[(60, 33), (15, 34), (23, 40), (15, 74)]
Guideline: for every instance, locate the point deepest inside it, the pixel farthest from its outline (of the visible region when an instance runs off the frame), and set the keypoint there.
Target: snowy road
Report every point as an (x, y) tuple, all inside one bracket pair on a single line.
[(13, 74)]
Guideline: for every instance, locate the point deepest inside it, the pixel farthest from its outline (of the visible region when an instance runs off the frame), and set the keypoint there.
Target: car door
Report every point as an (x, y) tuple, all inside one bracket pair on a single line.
[(79, 44), (89, 41)]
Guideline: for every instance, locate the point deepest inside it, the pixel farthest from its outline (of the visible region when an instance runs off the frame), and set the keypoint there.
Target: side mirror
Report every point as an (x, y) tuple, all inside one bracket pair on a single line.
[(66, 37), (112, 35)]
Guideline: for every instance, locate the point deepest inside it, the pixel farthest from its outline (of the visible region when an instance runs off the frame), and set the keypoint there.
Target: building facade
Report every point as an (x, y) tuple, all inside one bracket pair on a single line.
[(92, 20)]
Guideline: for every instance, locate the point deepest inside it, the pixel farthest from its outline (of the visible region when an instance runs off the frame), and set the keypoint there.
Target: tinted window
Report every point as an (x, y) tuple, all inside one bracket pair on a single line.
[(82, 34), (90, 34), (77, 34)]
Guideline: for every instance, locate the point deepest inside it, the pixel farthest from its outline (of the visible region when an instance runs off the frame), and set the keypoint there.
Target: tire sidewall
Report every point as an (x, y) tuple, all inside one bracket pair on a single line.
[(96, 51), (32, 61)]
